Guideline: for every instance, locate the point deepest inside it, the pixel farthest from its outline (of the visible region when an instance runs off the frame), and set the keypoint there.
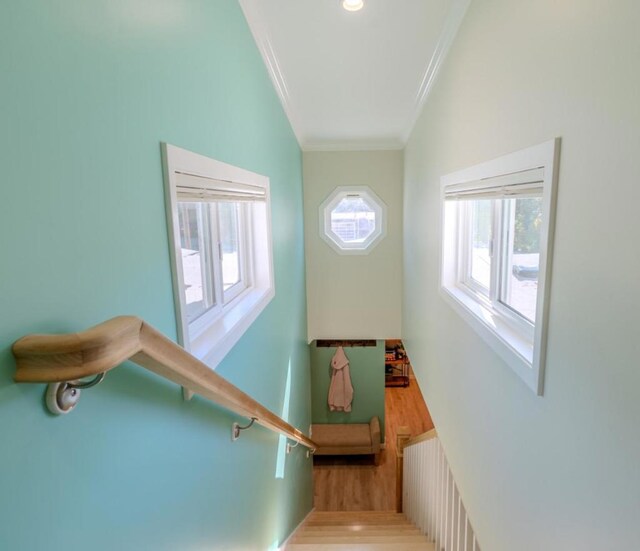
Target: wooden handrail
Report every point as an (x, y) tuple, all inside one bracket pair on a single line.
[(421, 438), (60, 358)]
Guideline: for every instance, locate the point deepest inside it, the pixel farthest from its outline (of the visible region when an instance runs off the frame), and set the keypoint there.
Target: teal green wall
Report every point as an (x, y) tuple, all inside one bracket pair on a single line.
[(89, 90), (366, 365)]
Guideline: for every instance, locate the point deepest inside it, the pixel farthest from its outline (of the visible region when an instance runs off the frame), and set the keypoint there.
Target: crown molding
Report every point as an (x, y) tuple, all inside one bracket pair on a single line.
[(348, 145), (263, 42), (452, 23)]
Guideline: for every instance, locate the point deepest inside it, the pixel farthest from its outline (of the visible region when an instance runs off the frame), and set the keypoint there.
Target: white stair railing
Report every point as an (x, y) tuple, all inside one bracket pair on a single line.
[(430, 497)]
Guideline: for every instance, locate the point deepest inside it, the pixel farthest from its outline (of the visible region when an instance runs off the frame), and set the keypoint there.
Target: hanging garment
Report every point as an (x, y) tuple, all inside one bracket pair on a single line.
[(340, 389)]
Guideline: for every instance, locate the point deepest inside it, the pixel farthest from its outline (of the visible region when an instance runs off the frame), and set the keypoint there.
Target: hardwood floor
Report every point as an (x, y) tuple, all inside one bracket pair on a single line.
[(354, 483)]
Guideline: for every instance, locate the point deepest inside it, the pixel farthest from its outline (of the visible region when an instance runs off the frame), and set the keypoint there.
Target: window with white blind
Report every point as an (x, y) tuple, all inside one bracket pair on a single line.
[(220, 230), (496, 256)]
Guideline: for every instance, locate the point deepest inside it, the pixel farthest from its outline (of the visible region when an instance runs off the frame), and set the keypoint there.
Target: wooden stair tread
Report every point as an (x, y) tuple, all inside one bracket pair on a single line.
[(359, 522), (388, 538), (356, 514), (360, 547), (363, 512), (359, 530)]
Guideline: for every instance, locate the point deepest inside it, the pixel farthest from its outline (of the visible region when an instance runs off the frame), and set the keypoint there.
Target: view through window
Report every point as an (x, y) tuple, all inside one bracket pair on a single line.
[(352, 220)]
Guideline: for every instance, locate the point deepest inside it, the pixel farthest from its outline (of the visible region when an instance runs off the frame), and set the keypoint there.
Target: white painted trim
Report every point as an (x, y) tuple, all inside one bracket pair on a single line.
[(263, 42), (452, 23), (373, 145), (213, 342), (525, 356)]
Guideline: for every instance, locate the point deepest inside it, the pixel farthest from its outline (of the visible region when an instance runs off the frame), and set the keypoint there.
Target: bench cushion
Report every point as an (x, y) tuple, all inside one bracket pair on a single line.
[(338, 439)]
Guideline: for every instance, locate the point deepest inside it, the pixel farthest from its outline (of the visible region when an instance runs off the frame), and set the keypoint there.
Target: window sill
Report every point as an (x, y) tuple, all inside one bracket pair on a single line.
[(515, 348), (213, 343)]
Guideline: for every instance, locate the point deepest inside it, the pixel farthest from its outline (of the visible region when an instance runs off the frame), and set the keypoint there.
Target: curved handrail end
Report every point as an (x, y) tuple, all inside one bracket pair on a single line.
[(57, 358)]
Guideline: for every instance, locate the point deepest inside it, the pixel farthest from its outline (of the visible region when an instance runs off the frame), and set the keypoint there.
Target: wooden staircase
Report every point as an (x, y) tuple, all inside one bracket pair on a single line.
[(358, 531)]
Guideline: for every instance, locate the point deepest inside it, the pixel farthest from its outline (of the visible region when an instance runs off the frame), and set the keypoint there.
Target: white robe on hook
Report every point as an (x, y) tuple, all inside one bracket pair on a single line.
[(340, 389)]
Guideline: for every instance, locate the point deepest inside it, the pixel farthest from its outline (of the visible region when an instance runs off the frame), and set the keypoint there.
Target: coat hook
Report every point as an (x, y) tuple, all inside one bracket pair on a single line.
[(236, 428), (62, 397)]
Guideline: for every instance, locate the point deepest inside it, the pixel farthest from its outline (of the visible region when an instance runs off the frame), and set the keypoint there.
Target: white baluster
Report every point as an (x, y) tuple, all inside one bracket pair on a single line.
[(458, 524), (432, 500), (466, 533), (432, 489), (454, 515), (420, 483), (434, 494), (410, 465), (441, 487)]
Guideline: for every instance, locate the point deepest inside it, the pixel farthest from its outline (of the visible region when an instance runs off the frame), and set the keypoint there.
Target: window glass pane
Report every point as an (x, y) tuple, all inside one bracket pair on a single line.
[(353, 219), (229, 243), (195, 246), (481, 234), (523, 219)]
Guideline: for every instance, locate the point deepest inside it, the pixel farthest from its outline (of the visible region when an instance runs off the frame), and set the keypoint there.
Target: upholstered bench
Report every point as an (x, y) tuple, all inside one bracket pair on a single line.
[(348, 439)]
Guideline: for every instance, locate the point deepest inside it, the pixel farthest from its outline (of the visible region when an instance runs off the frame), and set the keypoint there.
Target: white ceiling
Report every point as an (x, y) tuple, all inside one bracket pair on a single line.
[(353, 80)]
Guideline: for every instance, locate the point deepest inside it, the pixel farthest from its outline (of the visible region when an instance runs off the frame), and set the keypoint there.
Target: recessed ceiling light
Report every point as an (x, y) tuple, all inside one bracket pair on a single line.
[(352, 5)]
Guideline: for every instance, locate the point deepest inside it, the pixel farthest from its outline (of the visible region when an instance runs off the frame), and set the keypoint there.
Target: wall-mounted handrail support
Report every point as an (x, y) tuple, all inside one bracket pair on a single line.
[(62, 397), (236, 428), (70, 358)]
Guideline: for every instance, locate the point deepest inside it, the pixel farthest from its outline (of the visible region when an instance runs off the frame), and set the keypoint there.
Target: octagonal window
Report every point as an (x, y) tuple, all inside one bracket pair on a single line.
[(353, 220)]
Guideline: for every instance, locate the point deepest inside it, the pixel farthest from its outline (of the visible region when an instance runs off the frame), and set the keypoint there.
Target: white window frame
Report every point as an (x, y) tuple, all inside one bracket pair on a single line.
[(331, 202), (211, 336), (520, 343)]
